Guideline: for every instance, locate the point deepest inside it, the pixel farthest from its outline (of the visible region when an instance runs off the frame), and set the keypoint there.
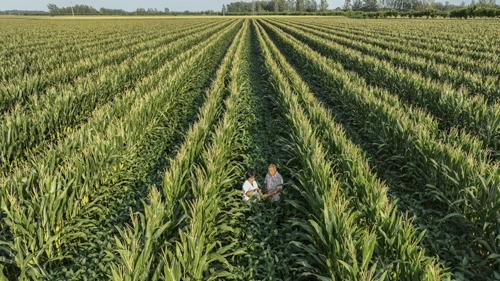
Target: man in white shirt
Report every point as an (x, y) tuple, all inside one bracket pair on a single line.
[(250, 187)]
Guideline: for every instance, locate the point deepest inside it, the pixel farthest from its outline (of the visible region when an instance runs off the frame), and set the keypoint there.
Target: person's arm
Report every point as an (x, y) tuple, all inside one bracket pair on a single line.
[(267, 195), (247, 189), (271, 194), (252, 191), (279, 187)]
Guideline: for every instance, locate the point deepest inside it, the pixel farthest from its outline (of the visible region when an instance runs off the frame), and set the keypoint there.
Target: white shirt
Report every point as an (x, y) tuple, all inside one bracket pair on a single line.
[(247, 186)]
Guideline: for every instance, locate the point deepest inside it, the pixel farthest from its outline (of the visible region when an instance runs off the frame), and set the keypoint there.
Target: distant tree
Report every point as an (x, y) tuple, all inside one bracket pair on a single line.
[(104, 11), (276, 6), (279, 5), (53, 9), (282, 5), (166, 10), (486, 2), (347, 4), (324, 5), (290, 5), (224, 10), (357, 5), (370, 4), (77, 10), (258, 7), (299, 6), (311, 5)]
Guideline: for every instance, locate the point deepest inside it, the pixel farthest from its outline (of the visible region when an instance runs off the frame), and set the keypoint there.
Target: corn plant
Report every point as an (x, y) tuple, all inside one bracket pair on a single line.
[(68, 108), (449, 167), (77, 204), (202, 252), (440, 51), (423, 64), (452, 108), (21, 90), (334, 248), (157, 227), (123, 144)]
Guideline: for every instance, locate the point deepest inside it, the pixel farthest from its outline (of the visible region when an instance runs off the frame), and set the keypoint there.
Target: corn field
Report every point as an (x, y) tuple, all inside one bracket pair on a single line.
[(124, 144)]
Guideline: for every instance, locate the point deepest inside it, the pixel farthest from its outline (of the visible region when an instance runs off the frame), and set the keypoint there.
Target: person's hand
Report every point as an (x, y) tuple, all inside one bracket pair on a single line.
[(270, 194)]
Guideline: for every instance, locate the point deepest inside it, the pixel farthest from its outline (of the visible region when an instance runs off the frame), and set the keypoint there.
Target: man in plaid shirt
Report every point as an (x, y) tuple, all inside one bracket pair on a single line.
[(273, 183)]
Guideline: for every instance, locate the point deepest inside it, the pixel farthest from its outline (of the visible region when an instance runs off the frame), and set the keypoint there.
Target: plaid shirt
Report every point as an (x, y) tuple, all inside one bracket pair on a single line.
[(272, 182)]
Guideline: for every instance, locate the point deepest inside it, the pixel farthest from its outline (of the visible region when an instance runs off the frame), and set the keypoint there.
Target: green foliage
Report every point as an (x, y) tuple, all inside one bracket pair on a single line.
[(123, 146), (432, 163)]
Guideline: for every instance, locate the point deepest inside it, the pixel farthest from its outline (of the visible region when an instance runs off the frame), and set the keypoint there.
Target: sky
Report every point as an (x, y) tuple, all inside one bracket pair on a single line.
[(131, 5)]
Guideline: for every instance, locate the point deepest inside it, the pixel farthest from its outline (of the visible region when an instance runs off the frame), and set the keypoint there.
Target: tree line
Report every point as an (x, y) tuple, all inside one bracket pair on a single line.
[(351, 8), (366, 8), (311, 6), (55, 10), (276, 6)]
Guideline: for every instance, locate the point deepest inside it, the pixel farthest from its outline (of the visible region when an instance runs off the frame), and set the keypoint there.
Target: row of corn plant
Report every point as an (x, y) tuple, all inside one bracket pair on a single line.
[(369, 194), (266, 231), (439, 51), (26, 89), (332, 245), (455, 37), (397, 248), (57, 151), (403, 57), (215, 210), (455, 185), (31, 128), (149, 155), (36, 36), (185, 86), (16, 54), (139, 245), (450, 107), (426, 51), (17, 91), (459, 75), (57, 154), (44, 59), (468, 143), (73, 31), (92, 190)]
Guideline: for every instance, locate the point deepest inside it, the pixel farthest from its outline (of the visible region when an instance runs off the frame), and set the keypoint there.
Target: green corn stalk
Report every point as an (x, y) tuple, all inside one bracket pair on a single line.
[(136, 263), (370, 194), (201, 252), (452, 109)]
